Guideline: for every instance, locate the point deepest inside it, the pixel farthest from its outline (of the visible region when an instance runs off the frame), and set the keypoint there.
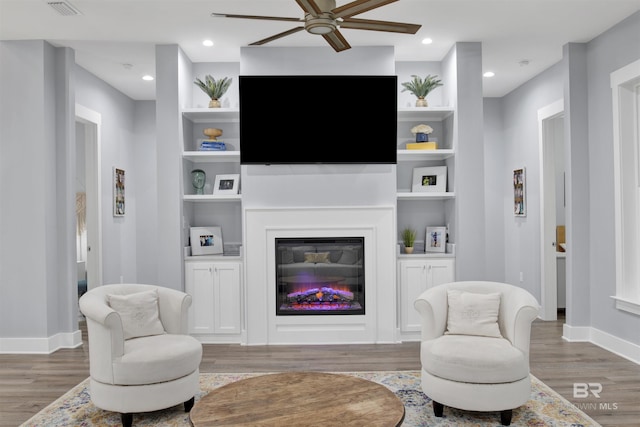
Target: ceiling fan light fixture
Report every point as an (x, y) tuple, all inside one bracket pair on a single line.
[(320, 25)]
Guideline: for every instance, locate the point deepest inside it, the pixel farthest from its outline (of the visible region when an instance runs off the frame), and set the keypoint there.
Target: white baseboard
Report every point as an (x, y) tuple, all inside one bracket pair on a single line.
[(622, 348), (40, 345)]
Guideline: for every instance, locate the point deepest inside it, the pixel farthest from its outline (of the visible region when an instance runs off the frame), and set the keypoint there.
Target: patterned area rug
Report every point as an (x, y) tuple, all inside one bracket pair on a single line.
[(545, 408)]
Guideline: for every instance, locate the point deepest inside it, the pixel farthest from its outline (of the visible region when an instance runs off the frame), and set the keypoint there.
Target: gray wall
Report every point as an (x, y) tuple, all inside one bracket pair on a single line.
[(582, 79), (117, 150), (520, 148), (37, 190), (612, 50), (37, 216), (495, 175)]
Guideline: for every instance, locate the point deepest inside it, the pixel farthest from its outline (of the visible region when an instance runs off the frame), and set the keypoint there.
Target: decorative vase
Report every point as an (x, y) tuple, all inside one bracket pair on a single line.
[(421, 102), (408, 249), (198, 179), (422, 137), (212, 133), (214, 103)]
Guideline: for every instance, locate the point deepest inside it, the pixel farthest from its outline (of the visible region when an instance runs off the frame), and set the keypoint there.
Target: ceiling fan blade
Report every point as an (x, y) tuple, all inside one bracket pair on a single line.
[(277, 36), (310, 7), (370, 24), (337, 41), (268, 18), (358, 6)]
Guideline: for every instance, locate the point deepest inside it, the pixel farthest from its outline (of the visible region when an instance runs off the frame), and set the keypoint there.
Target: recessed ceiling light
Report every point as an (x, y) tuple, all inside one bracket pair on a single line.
[(489, 74), (427, 41), (147, 77), (207, 43)]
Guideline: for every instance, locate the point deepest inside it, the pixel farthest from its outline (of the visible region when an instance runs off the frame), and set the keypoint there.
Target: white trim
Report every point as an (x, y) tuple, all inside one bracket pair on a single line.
[(627, 305), (40, 345), (615, 345), (93, 140), (549, 285), (625, 141)]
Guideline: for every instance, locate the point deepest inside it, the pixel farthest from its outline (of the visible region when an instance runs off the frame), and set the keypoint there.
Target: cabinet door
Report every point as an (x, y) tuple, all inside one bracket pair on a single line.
[(199, 284), (227, 304), (440, 271), (413, 281)]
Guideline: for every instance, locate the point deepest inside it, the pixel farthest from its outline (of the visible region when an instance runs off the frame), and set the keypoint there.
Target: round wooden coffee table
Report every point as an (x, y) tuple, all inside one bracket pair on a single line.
[(299, 399)]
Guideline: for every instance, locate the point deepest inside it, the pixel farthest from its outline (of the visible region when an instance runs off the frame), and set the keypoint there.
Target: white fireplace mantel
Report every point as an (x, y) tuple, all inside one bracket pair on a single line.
[(376, 224)]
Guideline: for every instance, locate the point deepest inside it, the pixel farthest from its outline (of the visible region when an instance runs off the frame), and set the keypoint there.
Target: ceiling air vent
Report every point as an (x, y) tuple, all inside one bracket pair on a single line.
[(64, 8)]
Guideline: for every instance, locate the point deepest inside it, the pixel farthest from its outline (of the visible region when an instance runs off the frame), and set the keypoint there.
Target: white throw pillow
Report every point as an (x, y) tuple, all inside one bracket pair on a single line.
[(139, 313), (473, 314)]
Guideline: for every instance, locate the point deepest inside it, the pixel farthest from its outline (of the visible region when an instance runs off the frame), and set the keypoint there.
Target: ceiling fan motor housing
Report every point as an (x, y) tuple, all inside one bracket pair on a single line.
[(321, 24)]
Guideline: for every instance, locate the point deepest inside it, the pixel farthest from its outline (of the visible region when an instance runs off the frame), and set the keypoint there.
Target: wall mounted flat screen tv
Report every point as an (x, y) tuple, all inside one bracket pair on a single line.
[(313, 119)]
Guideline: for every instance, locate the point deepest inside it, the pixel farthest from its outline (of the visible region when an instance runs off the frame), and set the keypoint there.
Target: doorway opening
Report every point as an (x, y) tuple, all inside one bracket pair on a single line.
[(552, 210), (88, 206)]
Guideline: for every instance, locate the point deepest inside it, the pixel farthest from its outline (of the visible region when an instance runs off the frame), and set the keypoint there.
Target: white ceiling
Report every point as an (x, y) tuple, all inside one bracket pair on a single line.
[(110, 33)]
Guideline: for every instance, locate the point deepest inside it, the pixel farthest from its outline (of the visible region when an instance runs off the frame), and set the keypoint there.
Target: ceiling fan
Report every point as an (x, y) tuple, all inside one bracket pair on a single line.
[(324, 18)]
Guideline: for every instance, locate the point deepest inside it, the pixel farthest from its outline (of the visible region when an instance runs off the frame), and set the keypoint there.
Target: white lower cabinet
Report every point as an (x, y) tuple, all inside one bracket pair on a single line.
[(216, 311), (415, 276)]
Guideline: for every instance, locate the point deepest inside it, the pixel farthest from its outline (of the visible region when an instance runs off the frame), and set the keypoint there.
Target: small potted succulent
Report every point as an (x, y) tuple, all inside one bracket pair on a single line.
[(408, 239), (420, 87), (214, 88)]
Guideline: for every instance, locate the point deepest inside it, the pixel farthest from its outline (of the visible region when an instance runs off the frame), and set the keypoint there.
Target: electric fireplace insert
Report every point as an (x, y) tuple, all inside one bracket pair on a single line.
[(320, 276)]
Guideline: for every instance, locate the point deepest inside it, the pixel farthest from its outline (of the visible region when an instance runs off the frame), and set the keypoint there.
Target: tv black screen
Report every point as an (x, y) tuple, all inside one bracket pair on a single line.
[(313, 119)]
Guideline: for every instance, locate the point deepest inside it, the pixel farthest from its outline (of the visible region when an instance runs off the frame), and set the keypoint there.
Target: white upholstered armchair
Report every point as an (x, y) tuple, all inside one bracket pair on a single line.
[(475, 346), (140, 356)]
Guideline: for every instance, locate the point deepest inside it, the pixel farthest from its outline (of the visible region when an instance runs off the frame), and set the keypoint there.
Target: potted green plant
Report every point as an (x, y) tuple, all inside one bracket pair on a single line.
[(420, 87), (214, 88), (408, 239)]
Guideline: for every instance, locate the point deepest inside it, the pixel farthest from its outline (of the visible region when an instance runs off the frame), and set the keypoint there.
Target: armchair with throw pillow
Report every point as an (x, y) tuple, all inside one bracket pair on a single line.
[(475, 346), (141, 358)]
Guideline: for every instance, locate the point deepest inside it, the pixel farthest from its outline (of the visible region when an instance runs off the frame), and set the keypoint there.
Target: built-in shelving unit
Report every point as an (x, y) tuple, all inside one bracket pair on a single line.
[(209, 209), (435, 205)]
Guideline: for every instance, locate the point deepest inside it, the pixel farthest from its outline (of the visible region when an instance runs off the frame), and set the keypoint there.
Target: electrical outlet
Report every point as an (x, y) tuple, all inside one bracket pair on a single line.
[(521, 277)]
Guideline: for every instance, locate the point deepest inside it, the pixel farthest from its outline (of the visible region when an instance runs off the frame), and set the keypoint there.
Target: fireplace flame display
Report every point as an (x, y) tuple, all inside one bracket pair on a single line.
[(319, 276), (325, 298)]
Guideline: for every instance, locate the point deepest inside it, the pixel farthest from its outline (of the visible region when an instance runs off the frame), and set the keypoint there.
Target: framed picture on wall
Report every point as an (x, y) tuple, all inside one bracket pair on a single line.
[(436, 239), (430, 179), (118, 192), (206, 240), (519, 192), (226, 184)]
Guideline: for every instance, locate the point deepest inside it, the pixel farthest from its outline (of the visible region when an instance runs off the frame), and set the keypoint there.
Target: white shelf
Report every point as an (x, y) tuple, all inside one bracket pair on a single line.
[(206, 115), (410, 114), (211, 156), (212, 198), (410, 155), (408, 195)]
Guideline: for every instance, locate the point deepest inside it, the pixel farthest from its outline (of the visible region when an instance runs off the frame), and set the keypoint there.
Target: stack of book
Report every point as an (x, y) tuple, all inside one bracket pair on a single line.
[(212, 146), (422, 145)]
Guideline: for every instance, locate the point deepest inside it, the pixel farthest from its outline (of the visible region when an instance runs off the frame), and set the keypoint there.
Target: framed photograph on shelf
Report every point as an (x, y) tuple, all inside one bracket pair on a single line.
[(118, 192), (430, 179), (206, 240), (519, 192), (227, 184), (436, 239)]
